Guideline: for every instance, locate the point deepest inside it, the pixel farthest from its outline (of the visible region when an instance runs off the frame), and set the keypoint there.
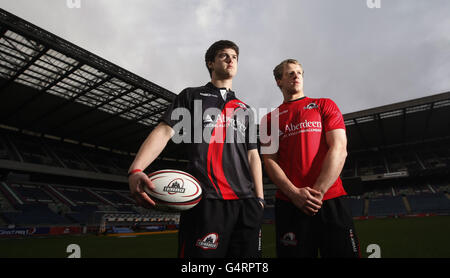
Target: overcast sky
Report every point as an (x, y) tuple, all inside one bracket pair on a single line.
[(358, 56)]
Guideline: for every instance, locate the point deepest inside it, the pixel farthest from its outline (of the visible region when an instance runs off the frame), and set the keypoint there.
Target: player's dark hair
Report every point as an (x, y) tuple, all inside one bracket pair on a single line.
[(215, 48)]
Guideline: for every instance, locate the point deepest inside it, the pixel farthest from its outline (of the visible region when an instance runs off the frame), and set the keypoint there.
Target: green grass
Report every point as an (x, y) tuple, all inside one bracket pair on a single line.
[(92, 246), (426, 237)]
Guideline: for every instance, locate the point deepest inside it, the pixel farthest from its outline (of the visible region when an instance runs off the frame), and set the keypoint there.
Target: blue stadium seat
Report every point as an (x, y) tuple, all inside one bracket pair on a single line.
[(429, 203), (386, 206), (355, 205)]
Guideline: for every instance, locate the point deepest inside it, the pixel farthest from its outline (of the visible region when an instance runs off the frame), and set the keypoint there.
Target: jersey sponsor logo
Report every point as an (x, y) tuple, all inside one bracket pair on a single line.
[(208, 120), (288, 239), (223, 121), (196, 126), (209, 241), (175, 186), (305, 126), (310, 106)]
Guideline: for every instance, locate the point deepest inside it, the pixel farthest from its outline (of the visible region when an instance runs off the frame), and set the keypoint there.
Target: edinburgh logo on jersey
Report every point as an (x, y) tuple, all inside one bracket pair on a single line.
[(310, 106), (210, 241), (175, 186), (289, 239)]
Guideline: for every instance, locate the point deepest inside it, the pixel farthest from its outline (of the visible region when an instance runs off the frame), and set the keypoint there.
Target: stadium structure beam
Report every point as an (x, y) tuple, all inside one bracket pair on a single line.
[(381, 128), (51, 65), (69, 101), (96, 124), (174, 148), (105, 134), (126, 135), (403, 125), (3, 30), (41, 92), (398, 106), (129, 134), (94, 108), (427, 121), (43, 37), (9, 81), (361, 134)]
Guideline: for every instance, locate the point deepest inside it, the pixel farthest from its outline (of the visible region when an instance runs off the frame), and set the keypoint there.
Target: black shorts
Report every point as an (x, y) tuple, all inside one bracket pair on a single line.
[(221, 229), (330, 232)]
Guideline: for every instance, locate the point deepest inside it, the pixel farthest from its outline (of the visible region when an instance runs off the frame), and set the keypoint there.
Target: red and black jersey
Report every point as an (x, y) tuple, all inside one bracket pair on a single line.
[(218, 133), (302, 142)]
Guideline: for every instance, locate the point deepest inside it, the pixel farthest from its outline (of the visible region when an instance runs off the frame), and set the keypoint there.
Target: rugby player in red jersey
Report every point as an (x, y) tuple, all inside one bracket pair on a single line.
[(227, 221), (310, 214)]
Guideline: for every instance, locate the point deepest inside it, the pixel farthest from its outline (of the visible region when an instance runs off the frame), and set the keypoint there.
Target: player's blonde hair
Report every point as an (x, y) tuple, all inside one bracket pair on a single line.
[(278, 70)]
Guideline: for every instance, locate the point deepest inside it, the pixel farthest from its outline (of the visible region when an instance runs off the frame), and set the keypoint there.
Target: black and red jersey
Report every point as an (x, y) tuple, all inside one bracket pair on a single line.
[(218, 133)]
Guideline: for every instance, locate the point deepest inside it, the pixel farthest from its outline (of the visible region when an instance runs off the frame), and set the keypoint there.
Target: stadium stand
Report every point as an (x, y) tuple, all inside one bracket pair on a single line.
[(356, 205), (437, 203), (386, 206), (71, 123)]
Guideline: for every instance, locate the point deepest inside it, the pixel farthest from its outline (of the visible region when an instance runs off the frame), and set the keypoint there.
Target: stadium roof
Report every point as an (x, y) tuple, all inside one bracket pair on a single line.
[(414, 121), (53, 87)]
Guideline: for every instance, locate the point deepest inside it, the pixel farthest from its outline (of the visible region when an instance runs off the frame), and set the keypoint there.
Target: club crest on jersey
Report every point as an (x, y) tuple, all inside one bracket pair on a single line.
[(209, 241), (175, 186), (288, 239), (310, 106)]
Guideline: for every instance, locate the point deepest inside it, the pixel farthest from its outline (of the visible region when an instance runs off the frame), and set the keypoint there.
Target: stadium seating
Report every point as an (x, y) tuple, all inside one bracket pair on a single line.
[(429, 203), (387, 206), (35, 215), (356, 205), (40, 204), (27, 203), (413, 159)]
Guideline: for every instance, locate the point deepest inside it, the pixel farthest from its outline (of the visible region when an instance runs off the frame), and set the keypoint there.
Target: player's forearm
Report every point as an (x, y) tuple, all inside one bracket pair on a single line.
[(152, 146), (256, 172), (278, 177), (331, 168)]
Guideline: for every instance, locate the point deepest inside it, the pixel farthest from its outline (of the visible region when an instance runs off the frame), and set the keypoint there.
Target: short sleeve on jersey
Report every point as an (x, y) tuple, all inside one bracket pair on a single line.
[(180, 103), (251, 132), (332, 116), (265, 129)]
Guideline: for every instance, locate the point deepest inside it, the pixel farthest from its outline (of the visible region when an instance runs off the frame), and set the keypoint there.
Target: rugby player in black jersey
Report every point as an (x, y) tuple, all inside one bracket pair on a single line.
[(223, 156)]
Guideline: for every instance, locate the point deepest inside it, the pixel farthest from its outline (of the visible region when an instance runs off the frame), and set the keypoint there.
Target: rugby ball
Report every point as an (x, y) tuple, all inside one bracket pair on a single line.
[(174, 190)]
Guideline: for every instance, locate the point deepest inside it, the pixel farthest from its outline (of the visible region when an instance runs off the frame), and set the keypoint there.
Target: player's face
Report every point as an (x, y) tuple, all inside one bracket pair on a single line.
[(292, 80), (225, 64)]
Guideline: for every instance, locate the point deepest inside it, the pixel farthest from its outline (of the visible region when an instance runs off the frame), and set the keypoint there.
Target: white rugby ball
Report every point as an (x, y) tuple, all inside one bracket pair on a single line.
[(174, 190)]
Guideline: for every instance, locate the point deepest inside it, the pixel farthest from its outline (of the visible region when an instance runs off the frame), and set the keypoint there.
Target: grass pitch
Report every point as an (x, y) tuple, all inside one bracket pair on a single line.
[(426, 237)]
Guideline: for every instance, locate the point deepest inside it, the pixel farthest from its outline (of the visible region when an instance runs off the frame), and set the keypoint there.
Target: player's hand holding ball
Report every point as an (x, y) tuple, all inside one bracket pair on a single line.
[(138, 181)]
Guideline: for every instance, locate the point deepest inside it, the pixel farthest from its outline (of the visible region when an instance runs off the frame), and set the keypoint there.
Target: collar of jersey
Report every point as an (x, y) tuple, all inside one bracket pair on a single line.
[(294, 100), (216, 90)]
